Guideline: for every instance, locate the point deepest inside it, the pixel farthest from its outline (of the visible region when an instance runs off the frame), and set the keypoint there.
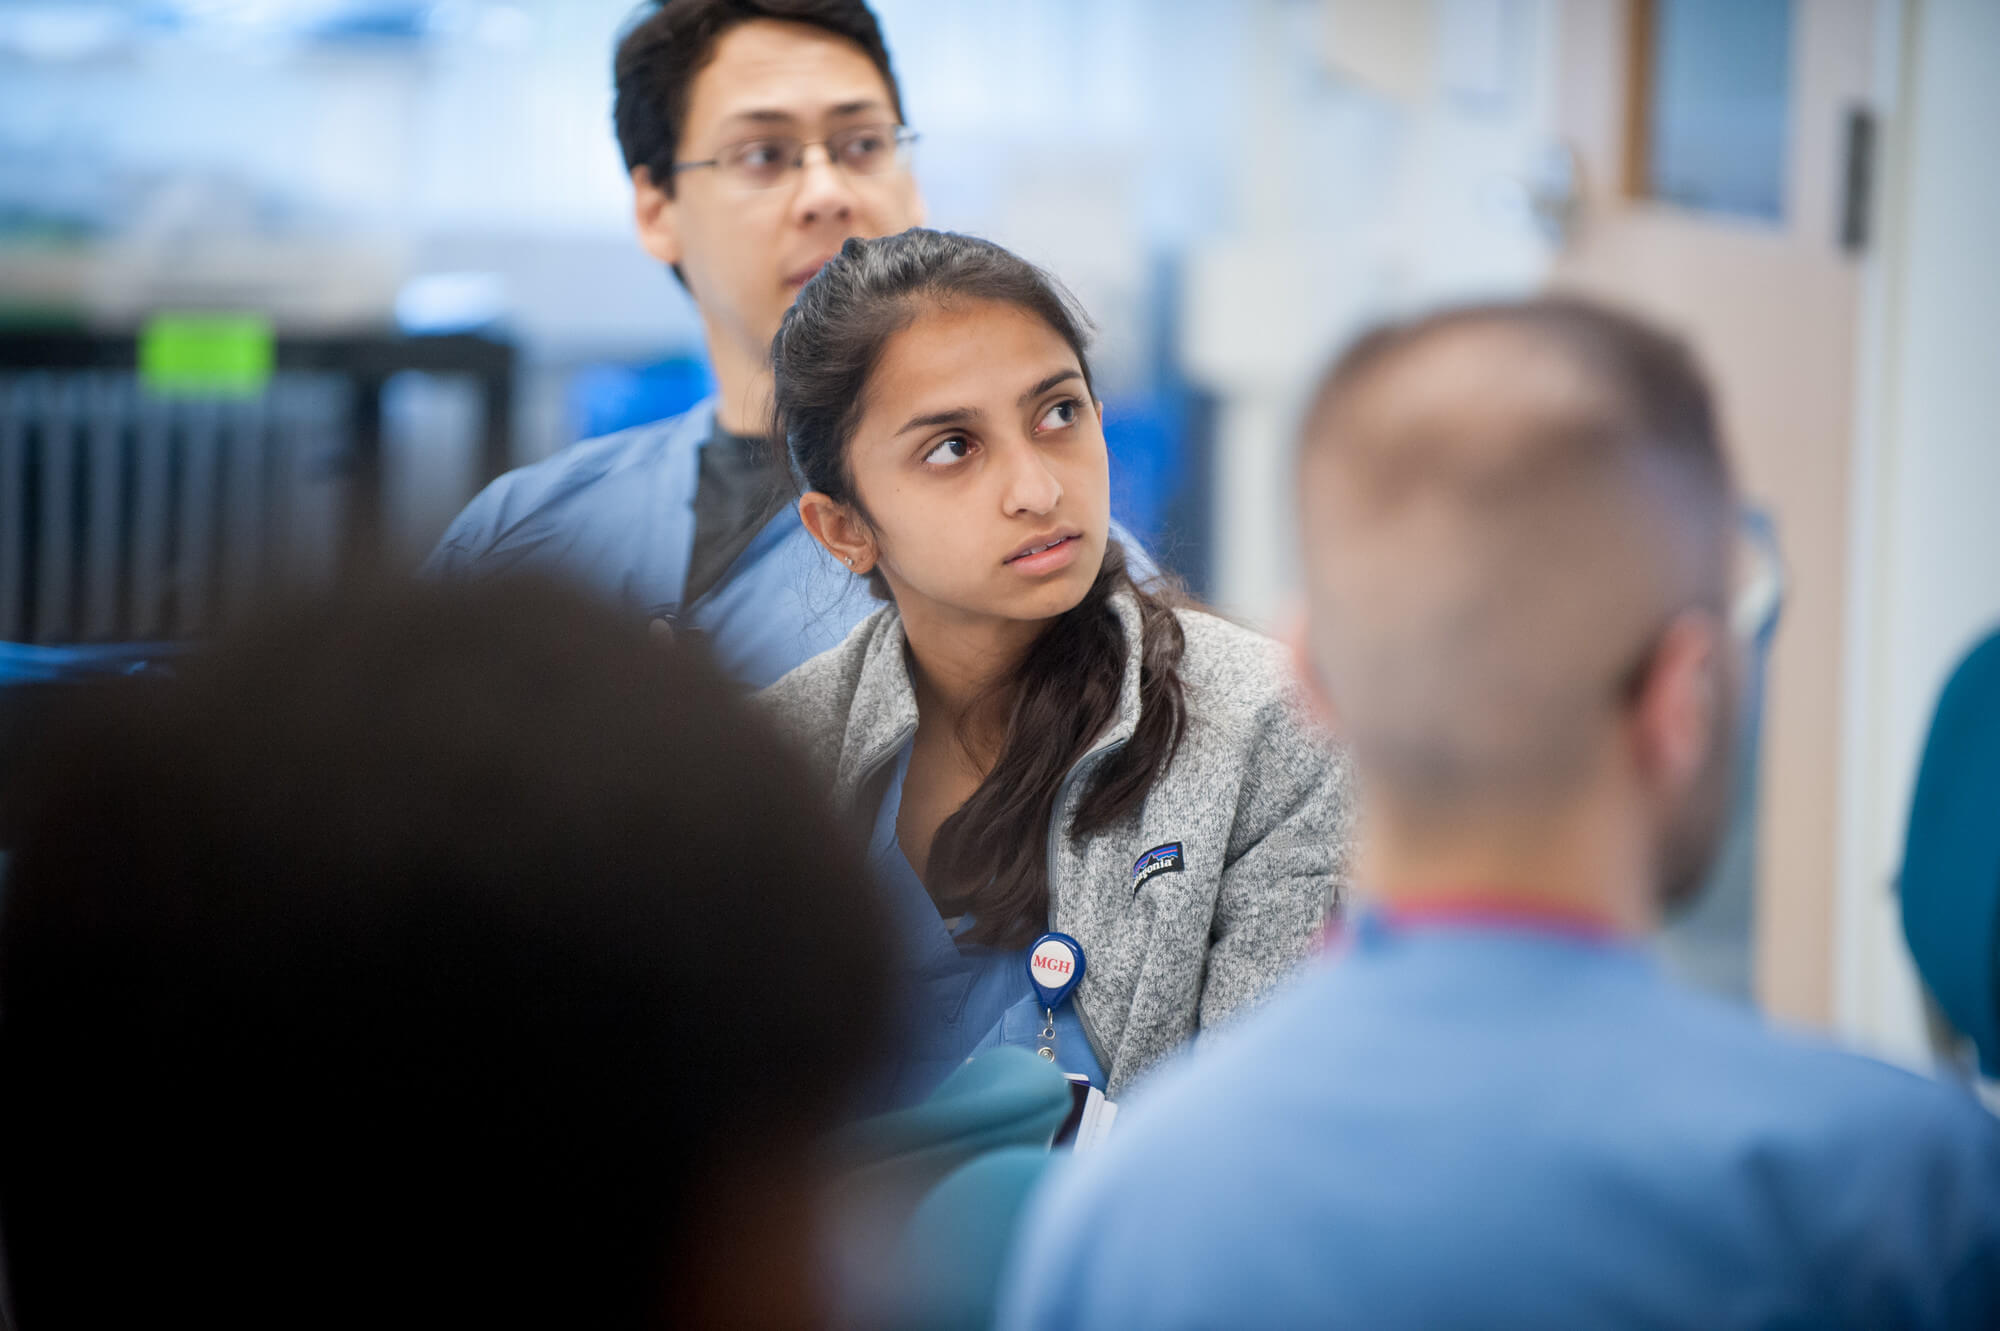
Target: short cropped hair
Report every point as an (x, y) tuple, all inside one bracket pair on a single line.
[(1503, 506), (418, 955), (663, 50)]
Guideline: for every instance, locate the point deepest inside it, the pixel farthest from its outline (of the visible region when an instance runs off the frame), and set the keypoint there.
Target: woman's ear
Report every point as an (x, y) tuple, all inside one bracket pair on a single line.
[(839, 530)]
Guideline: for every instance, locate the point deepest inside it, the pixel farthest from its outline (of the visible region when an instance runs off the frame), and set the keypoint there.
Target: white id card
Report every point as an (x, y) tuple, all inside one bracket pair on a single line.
[(1090, 1115)]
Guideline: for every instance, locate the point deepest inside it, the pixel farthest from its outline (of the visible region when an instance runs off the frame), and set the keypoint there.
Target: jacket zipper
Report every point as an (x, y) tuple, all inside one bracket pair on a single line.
[(874, 769)]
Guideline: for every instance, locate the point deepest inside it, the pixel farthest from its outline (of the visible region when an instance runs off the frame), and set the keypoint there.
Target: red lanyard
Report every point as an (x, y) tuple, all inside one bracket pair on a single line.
[(1486, 910)]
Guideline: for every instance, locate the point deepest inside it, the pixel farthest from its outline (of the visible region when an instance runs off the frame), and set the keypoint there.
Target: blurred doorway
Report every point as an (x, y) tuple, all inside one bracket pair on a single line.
[(1723, 150)]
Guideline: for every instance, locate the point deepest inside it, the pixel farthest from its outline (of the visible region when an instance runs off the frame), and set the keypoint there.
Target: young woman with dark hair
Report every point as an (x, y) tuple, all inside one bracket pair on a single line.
[(1037, 741)]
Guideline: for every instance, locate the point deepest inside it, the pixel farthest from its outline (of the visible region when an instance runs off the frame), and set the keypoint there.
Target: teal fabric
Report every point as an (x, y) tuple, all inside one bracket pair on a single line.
[(1951, 861), (885, 1168), (1004, 1097), (959, 1240)]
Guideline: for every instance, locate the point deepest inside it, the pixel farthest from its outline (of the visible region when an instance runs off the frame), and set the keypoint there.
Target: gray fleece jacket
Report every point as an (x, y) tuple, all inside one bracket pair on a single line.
[(1190, 909)]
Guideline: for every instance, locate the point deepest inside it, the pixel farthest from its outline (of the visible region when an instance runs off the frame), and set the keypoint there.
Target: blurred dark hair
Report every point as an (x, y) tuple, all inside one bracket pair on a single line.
[(989, 855), (663, 49), (420, 954)]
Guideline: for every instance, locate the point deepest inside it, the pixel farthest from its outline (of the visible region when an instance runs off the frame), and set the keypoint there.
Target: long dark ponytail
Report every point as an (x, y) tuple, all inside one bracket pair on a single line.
[(987, 858)]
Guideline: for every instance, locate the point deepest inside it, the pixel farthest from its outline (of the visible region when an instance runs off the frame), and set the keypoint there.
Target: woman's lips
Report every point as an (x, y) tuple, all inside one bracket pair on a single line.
[(1047, 558)]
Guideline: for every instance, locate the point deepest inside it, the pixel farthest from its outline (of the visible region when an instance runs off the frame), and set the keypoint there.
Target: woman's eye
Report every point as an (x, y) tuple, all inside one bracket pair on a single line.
[(950, 451), (1061, 414)]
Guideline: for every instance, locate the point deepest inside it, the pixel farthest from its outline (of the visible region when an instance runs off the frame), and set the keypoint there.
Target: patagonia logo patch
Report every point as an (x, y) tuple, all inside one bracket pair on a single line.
[(1158, 860)]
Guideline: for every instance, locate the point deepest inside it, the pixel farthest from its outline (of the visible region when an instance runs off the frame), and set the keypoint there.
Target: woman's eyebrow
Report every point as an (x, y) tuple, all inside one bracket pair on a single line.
[(1045, 385), (956, 416), (967, 415)]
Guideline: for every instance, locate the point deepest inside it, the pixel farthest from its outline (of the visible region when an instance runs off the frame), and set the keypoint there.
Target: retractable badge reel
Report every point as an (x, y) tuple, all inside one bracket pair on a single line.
[(1055, 967)]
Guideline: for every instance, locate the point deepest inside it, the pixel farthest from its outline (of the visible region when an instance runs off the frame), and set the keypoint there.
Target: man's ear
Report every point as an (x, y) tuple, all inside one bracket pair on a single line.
[(1674, 714), (839, 530), (656, 217), (1297, 637)]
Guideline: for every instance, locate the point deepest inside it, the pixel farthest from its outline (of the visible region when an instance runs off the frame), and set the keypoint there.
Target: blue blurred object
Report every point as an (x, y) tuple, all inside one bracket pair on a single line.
[(1147, 439), (604, 399), (1719, 126), (957, 1244), (369, 22), (32, 663), (1951, 860), (1161, 439), (32, 677), (431, 304)]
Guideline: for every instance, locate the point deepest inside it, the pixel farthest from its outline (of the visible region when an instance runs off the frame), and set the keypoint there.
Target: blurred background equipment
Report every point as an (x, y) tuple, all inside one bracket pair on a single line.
[(150, 485), (422, 206)]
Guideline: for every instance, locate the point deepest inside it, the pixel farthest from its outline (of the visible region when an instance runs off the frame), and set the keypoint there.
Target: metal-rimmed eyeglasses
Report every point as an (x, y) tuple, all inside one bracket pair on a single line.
[(764, 163)]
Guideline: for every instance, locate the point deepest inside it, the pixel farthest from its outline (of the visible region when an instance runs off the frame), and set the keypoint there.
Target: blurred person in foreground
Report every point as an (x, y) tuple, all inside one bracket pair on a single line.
[(759, 136), (407, 961), (1487, 1107)]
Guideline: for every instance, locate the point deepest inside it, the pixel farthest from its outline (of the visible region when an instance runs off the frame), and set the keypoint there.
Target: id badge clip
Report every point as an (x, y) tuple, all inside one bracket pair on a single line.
[(1055, 968)]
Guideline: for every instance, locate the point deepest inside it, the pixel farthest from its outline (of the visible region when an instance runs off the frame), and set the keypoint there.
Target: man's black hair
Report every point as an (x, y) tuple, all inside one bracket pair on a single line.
[(662, 51), (424, 955)]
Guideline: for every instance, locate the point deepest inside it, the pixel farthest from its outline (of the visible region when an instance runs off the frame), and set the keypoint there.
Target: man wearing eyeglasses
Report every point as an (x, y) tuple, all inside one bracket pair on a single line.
[(760, 135)]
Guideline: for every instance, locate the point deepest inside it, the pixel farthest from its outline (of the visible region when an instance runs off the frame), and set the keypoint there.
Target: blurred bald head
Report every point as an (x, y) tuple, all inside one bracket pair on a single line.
[(1504, 509)]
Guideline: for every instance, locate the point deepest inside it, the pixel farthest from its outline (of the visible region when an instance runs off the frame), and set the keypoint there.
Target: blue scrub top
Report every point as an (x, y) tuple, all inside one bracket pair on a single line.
[(1466, 1124), (958, 998), (616, 516)]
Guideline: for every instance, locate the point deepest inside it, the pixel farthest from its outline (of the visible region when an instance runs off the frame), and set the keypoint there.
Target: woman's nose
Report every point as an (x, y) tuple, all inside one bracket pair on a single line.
[(1031, 486)]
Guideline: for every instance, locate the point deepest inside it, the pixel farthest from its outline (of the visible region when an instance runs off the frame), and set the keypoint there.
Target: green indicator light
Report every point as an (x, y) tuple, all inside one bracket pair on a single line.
[(206, 355)]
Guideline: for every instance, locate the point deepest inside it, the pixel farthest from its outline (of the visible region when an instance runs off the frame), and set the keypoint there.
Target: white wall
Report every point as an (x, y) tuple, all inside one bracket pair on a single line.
[(1389, 155), (1927, 514)]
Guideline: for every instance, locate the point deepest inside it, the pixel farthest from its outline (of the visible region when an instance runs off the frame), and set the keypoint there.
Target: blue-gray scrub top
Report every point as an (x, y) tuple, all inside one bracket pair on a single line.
[(958, 998), (1474, 1123)]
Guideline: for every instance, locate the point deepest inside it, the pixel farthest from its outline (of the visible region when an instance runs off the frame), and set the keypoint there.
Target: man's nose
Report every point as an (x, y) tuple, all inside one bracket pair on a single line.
[(824, 191)]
